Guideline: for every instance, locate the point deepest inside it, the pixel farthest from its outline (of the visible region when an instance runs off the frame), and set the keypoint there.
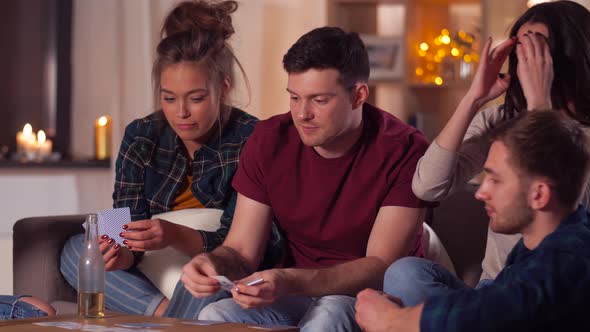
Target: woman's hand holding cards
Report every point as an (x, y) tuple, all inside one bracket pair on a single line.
[(115, 257), (149, 234)]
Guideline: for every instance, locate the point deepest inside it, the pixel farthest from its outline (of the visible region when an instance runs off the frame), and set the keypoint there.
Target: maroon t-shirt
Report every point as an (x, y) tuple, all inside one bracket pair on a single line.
[(326, 208)]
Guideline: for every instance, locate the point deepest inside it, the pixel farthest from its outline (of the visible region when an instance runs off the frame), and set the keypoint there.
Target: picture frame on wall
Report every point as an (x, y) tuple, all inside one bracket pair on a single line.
[(386, 57)]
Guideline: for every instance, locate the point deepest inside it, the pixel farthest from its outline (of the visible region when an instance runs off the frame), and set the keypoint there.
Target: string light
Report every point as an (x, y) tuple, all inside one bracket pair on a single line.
[(441, 58), (531, 3)]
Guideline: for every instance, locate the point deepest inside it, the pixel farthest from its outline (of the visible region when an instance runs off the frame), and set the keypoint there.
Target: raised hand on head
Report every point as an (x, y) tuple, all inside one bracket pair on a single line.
[(488, 83), (535, 70)]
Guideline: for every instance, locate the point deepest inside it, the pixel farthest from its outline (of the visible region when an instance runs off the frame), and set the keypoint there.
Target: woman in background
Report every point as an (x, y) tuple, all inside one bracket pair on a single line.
[(182, 156), (549, 67)]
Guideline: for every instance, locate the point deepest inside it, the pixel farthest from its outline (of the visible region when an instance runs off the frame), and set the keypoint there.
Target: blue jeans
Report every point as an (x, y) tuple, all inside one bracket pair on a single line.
[(12, 308), (125, 291), (414, 280), (326, 313), (183, 305)]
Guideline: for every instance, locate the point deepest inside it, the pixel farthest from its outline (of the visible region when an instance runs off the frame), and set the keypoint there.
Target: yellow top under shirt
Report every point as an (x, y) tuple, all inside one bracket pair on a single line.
[(186, 200)]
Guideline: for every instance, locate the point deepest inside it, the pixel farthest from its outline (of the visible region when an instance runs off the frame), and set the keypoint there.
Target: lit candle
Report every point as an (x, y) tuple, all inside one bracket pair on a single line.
[(102, 137), (44, 145), (26, 140)]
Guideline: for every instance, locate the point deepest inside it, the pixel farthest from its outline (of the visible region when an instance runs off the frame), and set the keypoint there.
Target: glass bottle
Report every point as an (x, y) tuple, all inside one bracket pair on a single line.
[(91, 273)]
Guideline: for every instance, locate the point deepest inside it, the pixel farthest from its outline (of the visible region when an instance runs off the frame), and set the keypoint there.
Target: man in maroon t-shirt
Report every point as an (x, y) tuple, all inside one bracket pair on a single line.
[(335, 173)]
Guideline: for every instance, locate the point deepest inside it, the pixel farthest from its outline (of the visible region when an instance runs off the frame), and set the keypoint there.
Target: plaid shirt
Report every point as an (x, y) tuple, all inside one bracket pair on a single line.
[(545, 289), (153, 163)]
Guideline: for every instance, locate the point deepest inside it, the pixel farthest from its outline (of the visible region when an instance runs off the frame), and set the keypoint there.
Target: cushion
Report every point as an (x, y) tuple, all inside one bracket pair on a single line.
[(164, 267), (435, 251)]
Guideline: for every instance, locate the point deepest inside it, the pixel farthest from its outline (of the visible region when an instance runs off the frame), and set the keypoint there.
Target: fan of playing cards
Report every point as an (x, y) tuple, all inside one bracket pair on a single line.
[(111, 221)]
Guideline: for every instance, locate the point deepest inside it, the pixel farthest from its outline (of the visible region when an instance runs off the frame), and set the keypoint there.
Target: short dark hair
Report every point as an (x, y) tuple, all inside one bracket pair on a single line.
[(330, 48), (568, 24), (551, 145)]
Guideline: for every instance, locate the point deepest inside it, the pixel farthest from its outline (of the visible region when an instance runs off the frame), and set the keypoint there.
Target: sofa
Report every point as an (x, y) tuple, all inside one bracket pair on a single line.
[(460, 222), (37, 244)]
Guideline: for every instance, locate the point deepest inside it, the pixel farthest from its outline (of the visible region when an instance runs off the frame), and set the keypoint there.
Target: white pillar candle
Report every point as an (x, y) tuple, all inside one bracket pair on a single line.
[(44, 145), (26, 140)]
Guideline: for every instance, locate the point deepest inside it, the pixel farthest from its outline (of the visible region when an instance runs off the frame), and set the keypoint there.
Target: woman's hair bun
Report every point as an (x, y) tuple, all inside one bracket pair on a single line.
[(200, 15)]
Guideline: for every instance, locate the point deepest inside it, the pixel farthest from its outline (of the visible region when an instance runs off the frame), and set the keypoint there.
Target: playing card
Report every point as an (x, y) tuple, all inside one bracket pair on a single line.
[(111, 221), (225, 283), (63, 325), (203, 322), (144, 325), (270, 327)]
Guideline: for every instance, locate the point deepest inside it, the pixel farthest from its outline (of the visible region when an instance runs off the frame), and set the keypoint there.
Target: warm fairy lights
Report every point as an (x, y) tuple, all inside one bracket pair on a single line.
[(446, 58)]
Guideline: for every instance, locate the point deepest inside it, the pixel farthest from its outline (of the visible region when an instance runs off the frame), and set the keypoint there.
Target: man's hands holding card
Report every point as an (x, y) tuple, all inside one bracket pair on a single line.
[(196, 276), (260, 289), (201, 279)]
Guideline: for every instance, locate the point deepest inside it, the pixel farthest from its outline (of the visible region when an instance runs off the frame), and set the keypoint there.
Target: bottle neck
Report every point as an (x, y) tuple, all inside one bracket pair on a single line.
[(91, 228)]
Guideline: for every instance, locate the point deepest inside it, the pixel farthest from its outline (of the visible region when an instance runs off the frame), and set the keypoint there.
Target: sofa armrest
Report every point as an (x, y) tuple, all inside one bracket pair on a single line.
[(462, 225), (37, 245)]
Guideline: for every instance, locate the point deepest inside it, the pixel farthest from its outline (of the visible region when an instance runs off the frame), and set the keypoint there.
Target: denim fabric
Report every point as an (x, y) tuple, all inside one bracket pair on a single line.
[(326, 313), (125, 291), (413, 280), (12, 308), (184, 305)]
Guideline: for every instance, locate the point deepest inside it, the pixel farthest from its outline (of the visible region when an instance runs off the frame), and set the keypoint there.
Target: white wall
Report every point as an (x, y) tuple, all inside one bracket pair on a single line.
[(265, 29)]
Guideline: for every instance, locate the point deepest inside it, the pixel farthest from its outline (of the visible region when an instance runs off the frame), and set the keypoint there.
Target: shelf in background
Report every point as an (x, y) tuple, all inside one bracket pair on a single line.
[(61, 164), (460, 85)]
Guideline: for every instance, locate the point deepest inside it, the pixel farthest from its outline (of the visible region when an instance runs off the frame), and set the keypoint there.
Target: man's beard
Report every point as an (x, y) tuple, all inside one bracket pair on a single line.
[(515, 217)]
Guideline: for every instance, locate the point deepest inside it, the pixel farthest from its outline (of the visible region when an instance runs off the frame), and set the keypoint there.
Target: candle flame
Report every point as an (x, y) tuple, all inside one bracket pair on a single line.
[(41, 137), (27, 130), (102, 121)]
